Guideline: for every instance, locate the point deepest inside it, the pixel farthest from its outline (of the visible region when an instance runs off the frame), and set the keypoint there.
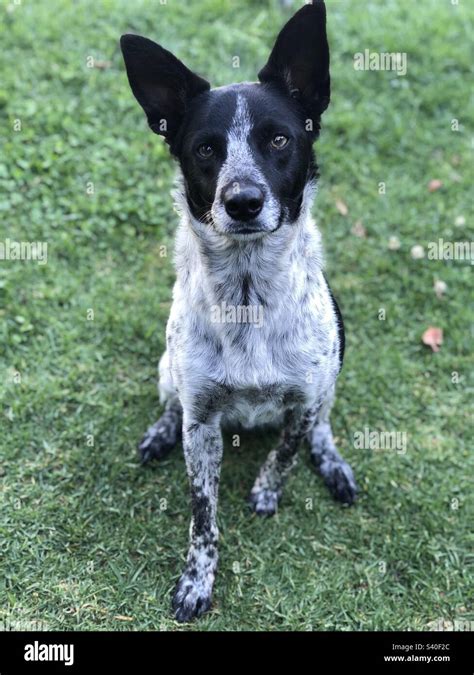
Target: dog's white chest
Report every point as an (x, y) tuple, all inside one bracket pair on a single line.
[(250, 414), (252, 367)]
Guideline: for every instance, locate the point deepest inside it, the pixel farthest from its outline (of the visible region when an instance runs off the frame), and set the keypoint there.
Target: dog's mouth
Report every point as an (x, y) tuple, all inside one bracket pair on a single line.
[(244, 231), (247, 230)]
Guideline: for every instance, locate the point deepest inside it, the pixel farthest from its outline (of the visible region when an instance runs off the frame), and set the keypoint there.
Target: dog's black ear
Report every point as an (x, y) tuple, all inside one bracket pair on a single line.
[(300, 58), (162, 85)]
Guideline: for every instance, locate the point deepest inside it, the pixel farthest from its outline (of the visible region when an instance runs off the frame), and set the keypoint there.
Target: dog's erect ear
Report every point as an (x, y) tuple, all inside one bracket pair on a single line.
[(300, 58), (162, 85)]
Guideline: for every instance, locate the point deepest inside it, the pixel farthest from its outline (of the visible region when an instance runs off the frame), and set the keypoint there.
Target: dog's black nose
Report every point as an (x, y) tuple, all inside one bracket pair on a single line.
[(242, 202)]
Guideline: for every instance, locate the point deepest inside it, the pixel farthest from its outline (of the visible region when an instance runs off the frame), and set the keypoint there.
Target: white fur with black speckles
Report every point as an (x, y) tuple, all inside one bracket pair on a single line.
[(297, 345)]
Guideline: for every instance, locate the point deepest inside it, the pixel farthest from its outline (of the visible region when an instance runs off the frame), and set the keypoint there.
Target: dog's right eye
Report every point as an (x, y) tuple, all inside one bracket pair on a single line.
[(205, 150), (279, 142)]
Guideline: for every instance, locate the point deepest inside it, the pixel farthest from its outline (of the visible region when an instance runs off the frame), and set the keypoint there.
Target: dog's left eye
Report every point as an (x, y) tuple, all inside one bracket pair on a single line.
[(279, 141), (205, 150)]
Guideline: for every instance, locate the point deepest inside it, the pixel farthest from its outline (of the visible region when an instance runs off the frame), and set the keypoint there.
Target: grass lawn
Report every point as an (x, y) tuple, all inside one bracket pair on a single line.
[(88, 538)]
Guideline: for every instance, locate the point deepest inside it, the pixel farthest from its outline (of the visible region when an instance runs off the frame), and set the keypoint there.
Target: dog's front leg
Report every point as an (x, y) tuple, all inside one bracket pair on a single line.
[(268, 487), (202, 444)]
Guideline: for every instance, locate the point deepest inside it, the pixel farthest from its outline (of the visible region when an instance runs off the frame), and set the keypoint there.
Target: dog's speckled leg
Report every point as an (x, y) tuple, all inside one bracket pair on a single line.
[(336, 472), (268, 487), (202, 445), (162, 436)]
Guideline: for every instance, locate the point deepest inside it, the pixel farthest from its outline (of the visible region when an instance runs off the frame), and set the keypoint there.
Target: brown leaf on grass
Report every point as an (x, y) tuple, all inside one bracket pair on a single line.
[(435, 184), (433, 337), (358, 229), (342, 207), (102, 65)]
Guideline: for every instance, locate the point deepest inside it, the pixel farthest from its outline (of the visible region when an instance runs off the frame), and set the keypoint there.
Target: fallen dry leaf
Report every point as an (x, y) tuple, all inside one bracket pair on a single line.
[(440, 288), (120, 617), (417, 252), (434, 185), (394, 243), (102, 65), (433, 337), (358, 229), (342, 207)]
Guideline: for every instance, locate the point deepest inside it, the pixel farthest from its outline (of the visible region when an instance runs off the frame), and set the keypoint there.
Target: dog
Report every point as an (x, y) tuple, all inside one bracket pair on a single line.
[(245, 240)]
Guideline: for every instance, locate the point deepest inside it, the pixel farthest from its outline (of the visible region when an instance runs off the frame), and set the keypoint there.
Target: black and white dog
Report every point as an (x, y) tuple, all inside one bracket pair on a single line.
[(254, 335)]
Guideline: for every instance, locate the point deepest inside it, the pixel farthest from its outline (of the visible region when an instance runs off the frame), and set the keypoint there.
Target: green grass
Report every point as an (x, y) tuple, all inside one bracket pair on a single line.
[(87, 536)]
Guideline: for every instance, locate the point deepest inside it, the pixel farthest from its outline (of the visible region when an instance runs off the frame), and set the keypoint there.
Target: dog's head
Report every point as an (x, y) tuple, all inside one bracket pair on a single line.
[(245, 150)]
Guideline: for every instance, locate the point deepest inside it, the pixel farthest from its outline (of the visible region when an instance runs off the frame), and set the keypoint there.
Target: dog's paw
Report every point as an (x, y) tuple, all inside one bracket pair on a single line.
[(339, 478), (264, 501), (192, 597), (157, 442)]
